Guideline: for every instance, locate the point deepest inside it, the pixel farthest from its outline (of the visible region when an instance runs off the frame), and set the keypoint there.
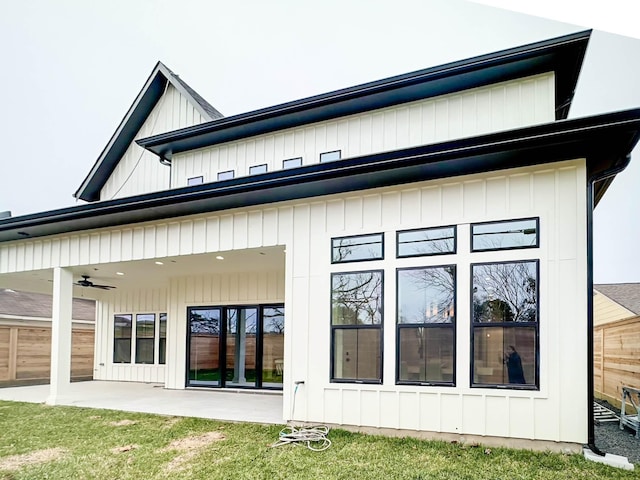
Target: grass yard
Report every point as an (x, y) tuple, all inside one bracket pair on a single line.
[(42, 442)]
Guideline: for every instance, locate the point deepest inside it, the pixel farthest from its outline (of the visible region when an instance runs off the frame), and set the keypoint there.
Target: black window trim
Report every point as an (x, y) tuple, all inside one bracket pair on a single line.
[(453, 325), (455, 242), (473, 325), (327, 153), (332, 329), (265, 165), (338, 262), (537, 245), (284, 162)]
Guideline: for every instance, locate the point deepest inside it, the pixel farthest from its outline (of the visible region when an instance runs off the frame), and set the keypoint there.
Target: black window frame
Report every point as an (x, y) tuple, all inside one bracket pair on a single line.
[(334, 328), (339, 152), (266, 169), (380, 234), (453, 325), (481, 325), (496, 222), (117, 339), (145, 339), (232, 172), (289, 160), (455, 241)]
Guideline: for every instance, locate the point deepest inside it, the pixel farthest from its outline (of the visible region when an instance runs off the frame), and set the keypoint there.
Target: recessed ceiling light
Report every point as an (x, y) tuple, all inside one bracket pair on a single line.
[(159, 263), (219, 257), (119, 273)]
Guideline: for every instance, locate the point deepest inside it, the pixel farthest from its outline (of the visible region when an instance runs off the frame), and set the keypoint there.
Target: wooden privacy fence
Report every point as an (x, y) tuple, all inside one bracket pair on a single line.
[(616, 349), (25, 353)]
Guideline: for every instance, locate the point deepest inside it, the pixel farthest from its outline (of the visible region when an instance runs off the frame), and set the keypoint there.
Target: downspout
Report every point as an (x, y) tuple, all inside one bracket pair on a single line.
[(167, 162), (591, 435)]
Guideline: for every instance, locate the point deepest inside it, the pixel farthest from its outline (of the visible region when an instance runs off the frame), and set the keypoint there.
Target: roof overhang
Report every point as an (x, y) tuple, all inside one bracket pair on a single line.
[(605, 141), (142, 106), (563, 55)]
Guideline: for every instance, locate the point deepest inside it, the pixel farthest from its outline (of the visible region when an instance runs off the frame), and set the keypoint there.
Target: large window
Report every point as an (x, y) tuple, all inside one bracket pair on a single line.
[(357, 248), (122, 339), (356, 326), (505, 324), (426, 325), (145, 337)]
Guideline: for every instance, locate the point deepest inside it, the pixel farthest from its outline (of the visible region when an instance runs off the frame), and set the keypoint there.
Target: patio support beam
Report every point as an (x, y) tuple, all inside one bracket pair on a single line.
[(61, 334)]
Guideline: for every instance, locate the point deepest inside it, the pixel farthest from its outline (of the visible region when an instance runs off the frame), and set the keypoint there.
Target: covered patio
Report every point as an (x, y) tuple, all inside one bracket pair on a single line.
[(234, 406)]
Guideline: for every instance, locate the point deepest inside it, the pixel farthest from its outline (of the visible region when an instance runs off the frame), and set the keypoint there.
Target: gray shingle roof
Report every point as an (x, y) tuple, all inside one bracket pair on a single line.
[(626, 294), (39, 305)]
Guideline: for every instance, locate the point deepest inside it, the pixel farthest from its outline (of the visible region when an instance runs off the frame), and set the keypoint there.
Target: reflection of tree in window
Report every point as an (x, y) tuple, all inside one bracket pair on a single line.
[(357, 298), (510, 234), (274, 318), (434, 288), (430, 241), (363, 247), (505, 292)]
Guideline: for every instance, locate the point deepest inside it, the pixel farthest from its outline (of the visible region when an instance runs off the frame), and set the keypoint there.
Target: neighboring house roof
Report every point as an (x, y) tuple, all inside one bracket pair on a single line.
[(135, 117), (625, 294), (562, 55), (605, 141), (38, 305)]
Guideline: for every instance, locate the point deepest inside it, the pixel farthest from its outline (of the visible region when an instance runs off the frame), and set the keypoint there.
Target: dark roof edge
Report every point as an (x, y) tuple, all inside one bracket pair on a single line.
[(137, 113), (166, 144), (603, 140)]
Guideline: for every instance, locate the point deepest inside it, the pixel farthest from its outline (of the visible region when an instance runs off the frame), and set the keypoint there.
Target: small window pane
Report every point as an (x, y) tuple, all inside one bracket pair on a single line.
[(505, 292), (428, 241), (122, 339), (145, 337), (504, 355), (226, 175), (353, 249), (330, 156), (356, 298), (292, 163), (195, 180), (427, 295), (258, 169), (162, 344), (499, 235), (426, 354), (356, 354)]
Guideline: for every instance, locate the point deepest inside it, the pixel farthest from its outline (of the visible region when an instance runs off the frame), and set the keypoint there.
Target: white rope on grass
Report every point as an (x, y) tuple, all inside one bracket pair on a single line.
[(313, 436)]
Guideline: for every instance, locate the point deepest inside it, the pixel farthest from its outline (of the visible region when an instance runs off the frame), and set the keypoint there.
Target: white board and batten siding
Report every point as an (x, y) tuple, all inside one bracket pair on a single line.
[(502, 106), (139, 171), (556, 193)]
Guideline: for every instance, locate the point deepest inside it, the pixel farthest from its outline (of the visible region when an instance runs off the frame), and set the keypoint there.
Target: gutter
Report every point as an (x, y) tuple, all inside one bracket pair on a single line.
[(591, 185)]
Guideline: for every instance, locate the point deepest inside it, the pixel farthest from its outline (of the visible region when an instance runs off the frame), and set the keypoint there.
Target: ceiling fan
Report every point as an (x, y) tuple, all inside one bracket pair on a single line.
[(85, 282)]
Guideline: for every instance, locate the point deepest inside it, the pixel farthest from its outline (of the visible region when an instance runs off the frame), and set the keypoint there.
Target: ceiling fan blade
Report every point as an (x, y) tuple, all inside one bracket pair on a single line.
[(103, 287)]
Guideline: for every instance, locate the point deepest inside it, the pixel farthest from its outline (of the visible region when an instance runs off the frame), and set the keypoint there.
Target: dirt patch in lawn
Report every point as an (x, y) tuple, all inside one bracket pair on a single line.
[(124, 448), (190, 447), (16, 462), (122, 423)]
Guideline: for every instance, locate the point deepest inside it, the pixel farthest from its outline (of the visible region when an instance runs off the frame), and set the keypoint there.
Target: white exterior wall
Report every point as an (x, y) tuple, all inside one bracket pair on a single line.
[(127, 302), (555, 193), (139, 171), (501, 106)]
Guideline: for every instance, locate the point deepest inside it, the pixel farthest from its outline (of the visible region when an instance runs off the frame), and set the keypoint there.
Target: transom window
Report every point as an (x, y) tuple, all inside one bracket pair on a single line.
[(426, 325), (195, 180), (255, 169), (357, 248), (356, 326), (330, 156), (505, 324), (426, 241), (292, 163), (228, 175), (505, 235)]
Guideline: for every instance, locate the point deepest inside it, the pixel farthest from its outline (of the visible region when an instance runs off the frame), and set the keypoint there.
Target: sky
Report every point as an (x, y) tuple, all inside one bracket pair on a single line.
[(71, 69)]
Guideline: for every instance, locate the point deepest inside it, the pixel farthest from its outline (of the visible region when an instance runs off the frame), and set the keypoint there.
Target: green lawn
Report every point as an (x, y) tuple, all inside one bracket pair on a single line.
[(42, 442)]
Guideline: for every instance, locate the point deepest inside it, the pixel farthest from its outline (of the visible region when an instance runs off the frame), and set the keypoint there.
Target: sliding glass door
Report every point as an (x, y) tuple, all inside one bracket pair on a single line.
[(236, 347)]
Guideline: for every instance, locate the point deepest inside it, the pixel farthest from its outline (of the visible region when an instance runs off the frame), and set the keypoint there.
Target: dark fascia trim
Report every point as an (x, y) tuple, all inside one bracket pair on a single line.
[(140, 109), (562, 55), (604, 140)]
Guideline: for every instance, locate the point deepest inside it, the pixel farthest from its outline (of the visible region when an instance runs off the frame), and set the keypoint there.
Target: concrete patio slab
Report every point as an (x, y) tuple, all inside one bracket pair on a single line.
[(235, 406)]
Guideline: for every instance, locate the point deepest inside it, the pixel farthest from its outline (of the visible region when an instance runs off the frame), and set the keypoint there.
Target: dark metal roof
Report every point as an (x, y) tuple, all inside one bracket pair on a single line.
[(135, 117), (27, 304), (625, 294), (604, 140), (562, 55)]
